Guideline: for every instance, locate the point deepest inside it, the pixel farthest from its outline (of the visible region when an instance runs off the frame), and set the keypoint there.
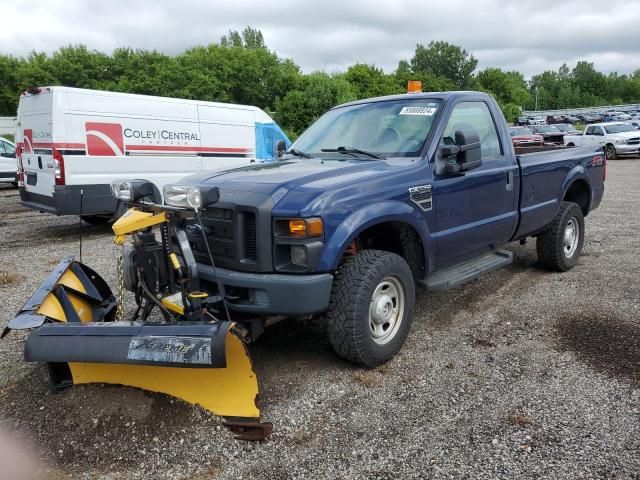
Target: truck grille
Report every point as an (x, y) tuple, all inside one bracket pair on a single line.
[(231, 235), (634, 141)]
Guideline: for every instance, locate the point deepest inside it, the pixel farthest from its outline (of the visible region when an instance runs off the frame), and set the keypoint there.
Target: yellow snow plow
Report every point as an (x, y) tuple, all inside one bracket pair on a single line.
[(193, 350)]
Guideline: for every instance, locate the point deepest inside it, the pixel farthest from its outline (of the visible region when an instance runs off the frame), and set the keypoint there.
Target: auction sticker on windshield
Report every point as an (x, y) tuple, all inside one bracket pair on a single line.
[(417, 111)]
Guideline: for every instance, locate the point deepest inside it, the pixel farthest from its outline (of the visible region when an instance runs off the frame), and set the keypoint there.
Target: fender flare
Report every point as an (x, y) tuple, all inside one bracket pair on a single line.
[(576, 174), (368, 216)]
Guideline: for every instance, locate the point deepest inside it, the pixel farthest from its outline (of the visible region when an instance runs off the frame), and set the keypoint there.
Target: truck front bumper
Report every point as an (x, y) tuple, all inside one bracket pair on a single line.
[(272, 293), (624, 149), (72, 200)]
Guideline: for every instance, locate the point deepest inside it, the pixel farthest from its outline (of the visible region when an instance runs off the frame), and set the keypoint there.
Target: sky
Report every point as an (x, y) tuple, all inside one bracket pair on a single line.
[(330, 35)]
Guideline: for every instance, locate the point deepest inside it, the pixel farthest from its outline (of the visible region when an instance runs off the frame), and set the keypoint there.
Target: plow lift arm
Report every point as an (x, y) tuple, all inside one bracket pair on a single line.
[(189, 353)]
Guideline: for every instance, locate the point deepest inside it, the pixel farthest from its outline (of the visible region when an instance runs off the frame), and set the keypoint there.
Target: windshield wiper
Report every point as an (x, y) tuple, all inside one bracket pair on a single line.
[(352, 150), (297, 153)]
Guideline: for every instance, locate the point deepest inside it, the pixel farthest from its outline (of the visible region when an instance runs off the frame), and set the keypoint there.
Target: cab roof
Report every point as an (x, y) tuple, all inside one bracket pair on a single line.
[(454, 95)]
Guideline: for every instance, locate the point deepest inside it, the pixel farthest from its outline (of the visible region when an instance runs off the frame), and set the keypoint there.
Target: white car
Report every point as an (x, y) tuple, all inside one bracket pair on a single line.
[(617, 138), (537, 121), (622, 117), (73, 142), (7, 161)]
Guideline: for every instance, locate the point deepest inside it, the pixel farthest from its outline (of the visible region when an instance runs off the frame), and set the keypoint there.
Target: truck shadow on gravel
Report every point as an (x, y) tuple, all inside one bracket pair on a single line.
[(605, 343)]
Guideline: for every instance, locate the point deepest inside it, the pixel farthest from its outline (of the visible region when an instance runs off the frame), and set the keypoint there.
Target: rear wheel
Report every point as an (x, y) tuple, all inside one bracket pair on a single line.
[(96, 219), (559, 246), (371, 307), (610, 152)]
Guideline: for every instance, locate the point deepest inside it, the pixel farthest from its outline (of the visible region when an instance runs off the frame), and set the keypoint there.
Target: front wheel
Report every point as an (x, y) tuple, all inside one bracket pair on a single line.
[(610, 152), (560, 245), (371, 307)]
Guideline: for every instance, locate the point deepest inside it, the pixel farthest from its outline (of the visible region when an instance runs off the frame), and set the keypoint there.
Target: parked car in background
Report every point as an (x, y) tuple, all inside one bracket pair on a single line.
[(549, 133), (553, 119), (635, 124), (537, 121), (617, 138), (524, 137), (7, 161), (587, 118), (567, 128), (522, 120), (568, 119), (74, 142), (622, 117)]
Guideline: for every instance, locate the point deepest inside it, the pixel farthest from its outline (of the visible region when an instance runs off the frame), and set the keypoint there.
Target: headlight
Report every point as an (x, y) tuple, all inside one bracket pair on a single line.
[(185, 196), (131, 190), (619, 142), (189, 196)]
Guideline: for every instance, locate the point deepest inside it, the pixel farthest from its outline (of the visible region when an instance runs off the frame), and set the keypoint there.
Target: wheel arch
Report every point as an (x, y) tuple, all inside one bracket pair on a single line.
[(577, 190), (388, 216)]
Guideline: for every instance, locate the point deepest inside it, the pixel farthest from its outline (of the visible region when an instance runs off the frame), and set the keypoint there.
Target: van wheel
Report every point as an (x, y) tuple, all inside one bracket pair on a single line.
[(560, 245), (371, 307), (96, 219), (610, 152)]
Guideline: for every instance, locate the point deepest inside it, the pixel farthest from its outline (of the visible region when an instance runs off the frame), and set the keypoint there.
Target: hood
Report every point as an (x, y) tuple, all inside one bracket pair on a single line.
[(306, 177), (527, 138), (625, 135)]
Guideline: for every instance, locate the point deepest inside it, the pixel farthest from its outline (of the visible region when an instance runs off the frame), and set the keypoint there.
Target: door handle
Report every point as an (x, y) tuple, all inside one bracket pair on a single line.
[(510, 181)]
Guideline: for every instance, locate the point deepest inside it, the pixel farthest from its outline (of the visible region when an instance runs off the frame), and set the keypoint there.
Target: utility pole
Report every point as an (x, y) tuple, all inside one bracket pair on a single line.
[(536, 98)]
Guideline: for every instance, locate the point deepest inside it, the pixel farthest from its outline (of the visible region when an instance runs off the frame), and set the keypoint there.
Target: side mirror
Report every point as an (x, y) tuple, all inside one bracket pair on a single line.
[(465, 155), (281, 146)]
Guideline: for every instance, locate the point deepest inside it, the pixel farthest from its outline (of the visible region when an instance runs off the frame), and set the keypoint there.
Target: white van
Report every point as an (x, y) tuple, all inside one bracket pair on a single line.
[(73, 142), (7, 161)]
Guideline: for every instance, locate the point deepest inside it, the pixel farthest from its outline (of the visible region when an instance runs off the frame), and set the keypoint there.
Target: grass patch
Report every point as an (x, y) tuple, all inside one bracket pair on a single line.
[(8, 279)]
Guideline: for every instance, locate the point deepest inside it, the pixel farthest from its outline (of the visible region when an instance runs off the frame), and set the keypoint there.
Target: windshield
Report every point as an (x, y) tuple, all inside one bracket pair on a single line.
[(619, 128), (547, 129), (516, 132), (564, 127), (396, 128)]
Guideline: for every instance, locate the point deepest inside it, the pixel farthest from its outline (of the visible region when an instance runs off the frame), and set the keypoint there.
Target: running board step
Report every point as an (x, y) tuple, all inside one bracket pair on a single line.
[(468, 270)]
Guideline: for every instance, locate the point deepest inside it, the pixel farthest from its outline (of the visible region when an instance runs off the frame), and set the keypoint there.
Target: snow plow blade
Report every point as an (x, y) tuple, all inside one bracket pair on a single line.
[(73, 330), (200, 364)]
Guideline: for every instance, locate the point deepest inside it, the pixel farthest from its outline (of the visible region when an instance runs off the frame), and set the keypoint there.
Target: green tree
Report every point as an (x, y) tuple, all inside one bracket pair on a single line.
[(443, 59)]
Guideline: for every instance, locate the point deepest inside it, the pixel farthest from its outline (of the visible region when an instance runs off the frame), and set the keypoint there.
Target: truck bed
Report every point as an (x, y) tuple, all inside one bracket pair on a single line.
[(545, 176)]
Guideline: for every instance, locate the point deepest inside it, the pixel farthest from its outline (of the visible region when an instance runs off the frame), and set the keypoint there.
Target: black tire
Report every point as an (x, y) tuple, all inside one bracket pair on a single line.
[(96, 219), (610, 152), (349, 322), (552, 244)]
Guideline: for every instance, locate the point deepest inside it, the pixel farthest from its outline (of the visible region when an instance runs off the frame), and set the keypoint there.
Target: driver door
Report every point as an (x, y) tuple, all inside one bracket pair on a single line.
[(475, 211)]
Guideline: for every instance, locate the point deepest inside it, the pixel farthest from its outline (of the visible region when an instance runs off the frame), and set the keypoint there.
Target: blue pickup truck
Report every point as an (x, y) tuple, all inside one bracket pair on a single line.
[(375, 197)]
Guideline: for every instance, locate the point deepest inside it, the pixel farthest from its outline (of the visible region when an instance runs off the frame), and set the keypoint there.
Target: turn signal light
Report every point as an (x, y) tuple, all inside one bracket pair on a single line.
[(311, 227)]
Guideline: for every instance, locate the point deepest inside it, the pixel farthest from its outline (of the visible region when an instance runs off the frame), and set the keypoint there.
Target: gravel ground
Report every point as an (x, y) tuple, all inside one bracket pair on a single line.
[(521, 374)]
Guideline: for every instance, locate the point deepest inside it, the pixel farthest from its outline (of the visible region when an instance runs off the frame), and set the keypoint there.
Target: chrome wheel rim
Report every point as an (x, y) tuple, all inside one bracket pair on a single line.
[(386, 310), (571, 237), (610, 151)]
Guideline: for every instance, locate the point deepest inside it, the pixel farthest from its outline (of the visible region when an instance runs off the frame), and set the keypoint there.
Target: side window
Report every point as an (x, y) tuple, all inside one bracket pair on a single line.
[(9, 150), (590, 130), (2, 153), (476, 117)]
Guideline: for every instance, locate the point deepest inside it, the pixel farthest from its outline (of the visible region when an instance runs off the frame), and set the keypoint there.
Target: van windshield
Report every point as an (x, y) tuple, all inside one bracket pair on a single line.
[(395, 128)]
